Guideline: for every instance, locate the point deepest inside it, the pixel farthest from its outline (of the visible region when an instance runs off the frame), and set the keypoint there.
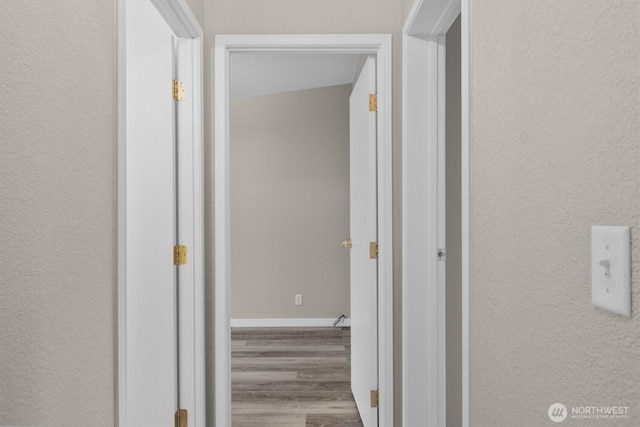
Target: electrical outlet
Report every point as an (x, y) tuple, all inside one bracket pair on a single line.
[(298, 299)]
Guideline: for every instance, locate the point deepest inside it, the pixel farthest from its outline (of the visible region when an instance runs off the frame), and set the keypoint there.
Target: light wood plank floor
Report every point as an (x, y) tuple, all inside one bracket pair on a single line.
[(292, 377)]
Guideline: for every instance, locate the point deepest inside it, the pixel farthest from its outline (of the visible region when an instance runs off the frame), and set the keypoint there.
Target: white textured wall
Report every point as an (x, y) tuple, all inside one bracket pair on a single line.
[(58, 221), (289, 163), (556, 149)]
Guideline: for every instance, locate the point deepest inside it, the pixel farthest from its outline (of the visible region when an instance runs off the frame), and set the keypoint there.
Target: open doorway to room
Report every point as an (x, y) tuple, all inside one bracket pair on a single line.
[(290, 276), (300, 170)]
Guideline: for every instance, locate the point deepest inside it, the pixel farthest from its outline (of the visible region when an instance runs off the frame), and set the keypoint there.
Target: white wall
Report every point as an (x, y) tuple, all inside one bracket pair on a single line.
[(58, 221), (289, 166), (556, 149)]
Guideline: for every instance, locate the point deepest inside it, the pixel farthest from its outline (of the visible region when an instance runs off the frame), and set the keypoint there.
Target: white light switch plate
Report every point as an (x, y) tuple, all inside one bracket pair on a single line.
[(611, 269)]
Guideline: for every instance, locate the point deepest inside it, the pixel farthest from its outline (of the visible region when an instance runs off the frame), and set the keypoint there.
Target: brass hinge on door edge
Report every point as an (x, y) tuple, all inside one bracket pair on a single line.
[(181, 418), (373, 102), (178, 90), (373, 250), (374, 398), (179, 255)]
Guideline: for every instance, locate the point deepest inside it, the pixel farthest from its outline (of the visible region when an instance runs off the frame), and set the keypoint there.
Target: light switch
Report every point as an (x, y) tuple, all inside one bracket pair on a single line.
[(611, 269)]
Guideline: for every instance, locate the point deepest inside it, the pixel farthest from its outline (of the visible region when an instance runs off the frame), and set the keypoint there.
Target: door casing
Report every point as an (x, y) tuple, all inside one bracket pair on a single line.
[(424, 212), (378, 45), (190, 205)]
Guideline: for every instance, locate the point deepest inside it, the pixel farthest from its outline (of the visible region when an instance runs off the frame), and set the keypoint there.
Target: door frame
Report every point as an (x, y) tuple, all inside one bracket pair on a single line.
[(375, 44), (185, 26), (424, 208)]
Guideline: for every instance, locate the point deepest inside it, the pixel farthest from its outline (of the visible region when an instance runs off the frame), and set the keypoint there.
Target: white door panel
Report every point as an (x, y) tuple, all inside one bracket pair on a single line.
[(151, 388), (363, 224)]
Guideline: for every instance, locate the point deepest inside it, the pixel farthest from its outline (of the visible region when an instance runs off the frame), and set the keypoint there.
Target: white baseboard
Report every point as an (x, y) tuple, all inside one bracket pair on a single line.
[(286, 323)]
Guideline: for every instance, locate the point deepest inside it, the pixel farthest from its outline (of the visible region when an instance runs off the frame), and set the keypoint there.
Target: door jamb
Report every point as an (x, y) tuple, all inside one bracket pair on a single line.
[(379, 45), (424, 74), (185, 26)]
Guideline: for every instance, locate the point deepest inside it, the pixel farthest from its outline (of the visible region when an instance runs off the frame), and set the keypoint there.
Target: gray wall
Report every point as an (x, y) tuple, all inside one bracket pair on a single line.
[(453, 232), (58, 221), (289, 166), (197, 7), (405, 6), (295, 17), (556, 149), (58, 139)]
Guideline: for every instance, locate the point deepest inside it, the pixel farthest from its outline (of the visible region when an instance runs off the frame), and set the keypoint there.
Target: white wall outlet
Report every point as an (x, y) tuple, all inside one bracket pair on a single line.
[(298, 300), (611, 269)]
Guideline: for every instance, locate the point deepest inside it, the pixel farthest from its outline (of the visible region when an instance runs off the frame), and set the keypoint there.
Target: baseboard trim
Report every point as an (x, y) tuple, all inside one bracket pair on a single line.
[(286, 323)]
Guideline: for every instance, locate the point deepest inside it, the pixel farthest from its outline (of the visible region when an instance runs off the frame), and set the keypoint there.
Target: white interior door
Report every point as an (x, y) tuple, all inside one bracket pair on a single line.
[(150, 361), (363, 224)]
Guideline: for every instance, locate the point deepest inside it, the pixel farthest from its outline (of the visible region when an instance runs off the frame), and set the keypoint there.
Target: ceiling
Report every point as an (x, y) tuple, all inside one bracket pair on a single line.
[(254, 74)]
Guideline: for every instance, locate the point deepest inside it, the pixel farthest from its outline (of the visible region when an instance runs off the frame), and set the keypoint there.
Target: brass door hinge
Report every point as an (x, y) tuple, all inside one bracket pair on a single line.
[(373, 102), (373, 250), (181, 418), (374, 398), (179, 255), (178, 90)]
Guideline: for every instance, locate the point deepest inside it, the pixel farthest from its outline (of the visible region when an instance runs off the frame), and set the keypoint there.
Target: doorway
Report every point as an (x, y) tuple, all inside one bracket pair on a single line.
[(289, 177), (379, 47), (160, 181), (434, 219)]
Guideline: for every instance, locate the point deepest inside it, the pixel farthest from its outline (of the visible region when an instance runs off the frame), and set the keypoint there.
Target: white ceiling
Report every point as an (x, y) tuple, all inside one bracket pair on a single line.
[(254, 74)]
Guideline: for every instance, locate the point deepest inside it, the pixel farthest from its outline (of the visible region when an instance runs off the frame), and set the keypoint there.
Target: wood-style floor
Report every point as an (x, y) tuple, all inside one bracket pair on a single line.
[(292, 377)]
